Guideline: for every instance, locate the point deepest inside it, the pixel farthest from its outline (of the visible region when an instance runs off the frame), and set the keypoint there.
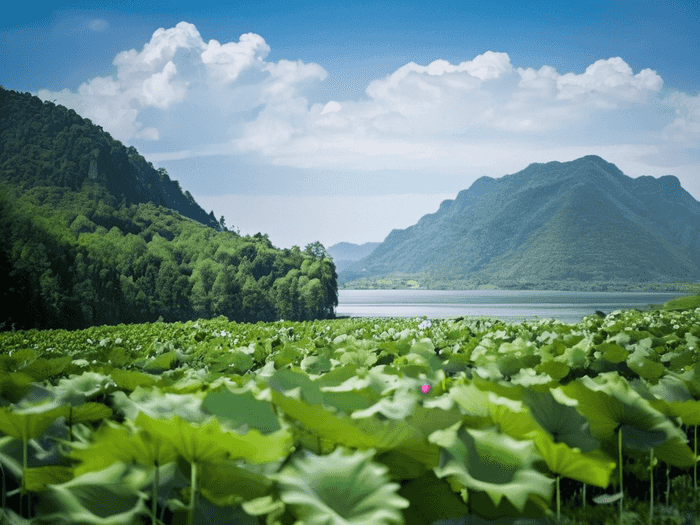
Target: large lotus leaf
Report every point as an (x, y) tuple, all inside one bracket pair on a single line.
[(129, 380), (239, 407), (688, 411), (340, 489), (557, 414), (266, 505), (610, 403), (491, 462), (112, 443), (691, 377), (516, 420), (594, 467), (431, 499), (89, 412), (400, 406), (78, 389), (157, 404), (676, 452), (36, 479), (358, 433), (112, 496), (226, 484), (208, 442), (31, 421)]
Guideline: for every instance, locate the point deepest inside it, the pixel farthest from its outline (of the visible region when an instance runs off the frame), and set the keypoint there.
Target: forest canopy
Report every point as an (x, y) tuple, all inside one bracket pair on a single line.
[(92, 235)]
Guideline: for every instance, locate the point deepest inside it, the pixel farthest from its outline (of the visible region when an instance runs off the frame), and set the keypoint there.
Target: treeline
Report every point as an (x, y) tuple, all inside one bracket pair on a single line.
[(74, 260), (93, 234)]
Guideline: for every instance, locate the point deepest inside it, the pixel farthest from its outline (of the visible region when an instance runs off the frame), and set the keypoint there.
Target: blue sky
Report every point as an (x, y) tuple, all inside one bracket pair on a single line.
[(339, 122)]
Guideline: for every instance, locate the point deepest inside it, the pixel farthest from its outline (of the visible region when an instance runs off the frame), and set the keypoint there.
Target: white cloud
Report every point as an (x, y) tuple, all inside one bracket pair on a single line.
[(483, 115), (168, 73)]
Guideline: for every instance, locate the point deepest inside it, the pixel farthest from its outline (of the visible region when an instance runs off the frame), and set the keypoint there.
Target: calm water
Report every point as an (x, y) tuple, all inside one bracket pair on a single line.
[(508, 305)]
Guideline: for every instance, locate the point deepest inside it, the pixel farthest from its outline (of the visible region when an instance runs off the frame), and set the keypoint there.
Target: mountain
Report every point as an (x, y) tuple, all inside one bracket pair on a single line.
[(48, 145), (345, 253), (573, 225), (92, 234)]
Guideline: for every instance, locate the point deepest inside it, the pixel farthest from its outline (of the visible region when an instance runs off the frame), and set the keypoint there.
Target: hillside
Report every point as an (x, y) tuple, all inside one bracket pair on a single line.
[(90, 238), (42, 144), (574, 225), (345, 253)]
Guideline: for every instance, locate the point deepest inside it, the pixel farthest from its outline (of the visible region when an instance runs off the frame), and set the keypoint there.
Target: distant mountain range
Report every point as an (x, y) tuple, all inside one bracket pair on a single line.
[(345, 253), (561, 225)]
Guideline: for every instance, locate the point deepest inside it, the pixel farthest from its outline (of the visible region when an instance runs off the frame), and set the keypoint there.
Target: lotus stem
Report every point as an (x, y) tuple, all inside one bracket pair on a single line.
[(619, 448), (193, 493), (584, 495), (651, 485), (558, 502), (668, 483), (23, 493), (154, 505)]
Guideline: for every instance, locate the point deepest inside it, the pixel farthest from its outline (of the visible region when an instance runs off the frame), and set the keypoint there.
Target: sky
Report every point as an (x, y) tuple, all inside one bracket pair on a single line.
[(339, 122)]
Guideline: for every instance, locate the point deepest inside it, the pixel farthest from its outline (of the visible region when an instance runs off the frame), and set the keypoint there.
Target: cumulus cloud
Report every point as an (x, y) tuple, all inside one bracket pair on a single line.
[(226, 98), (164, 73)]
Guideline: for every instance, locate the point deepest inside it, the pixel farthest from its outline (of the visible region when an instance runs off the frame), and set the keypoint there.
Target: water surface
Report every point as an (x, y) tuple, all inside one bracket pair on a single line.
[(508, 305)]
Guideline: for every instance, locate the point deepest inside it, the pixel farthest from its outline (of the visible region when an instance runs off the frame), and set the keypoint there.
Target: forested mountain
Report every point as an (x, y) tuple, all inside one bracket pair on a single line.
[(43, 144), (89, 237), (574, 225), (345, 253)]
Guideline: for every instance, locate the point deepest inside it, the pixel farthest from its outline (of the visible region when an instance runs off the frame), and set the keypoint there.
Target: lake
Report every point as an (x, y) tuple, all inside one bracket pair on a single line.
[(508, 305)]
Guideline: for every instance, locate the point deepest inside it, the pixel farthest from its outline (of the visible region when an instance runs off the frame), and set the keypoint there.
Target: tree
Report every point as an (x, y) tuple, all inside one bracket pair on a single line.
[(316, 250), (222, 224)]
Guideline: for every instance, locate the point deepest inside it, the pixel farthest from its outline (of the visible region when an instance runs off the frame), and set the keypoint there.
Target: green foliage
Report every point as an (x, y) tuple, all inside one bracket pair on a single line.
[(91, 240)]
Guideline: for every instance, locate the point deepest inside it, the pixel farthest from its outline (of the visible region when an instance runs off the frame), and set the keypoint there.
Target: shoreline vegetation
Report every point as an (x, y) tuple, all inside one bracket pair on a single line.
[(419, 282)]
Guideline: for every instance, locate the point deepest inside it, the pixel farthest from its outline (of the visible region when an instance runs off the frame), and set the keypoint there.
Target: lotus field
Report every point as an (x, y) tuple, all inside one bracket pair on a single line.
[(354, 422)]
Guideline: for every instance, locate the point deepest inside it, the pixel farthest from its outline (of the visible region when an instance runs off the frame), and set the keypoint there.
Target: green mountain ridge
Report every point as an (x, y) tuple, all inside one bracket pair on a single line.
[(49, 145), (583, 222), (94, 235)]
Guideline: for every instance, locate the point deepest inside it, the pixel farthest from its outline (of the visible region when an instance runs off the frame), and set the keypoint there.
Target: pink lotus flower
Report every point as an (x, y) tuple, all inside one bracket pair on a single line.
[(425, 388)]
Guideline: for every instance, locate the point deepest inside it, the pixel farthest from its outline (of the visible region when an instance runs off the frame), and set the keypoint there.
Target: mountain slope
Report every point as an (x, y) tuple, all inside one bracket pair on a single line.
[(42, 144), (88, 238), (345, 253), (581, 222)]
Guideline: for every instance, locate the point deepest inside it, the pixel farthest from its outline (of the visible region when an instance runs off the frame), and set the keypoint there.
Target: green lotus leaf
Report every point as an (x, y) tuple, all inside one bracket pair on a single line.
[(14, 386), (557, 415), (240, 408), (488, 461), (593, 468), (226, 484), (268, 505), (610, 403), (113, 443), (358, 433), (84, 499), (400, 406), (431, 500), (129, 380), (89, 412), (29, 422), (554, 369), (342, 488), (612, 352), (77, 389), (157, 404), (36, 479), (208, 442)]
